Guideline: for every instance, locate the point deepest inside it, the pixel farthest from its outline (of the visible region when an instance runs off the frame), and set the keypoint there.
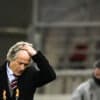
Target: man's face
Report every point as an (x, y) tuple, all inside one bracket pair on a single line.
[(20, 63), (97, 72)]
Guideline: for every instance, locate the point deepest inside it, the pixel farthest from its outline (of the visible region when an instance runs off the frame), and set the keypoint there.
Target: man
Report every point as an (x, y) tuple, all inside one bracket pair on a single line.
[(89, 90), (19, 66)]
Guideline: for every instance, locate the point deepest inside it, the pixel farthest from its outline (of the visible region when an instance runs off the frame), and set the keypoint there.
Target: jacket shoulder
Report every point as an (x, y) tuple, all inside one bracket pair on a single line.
[(83, 87)]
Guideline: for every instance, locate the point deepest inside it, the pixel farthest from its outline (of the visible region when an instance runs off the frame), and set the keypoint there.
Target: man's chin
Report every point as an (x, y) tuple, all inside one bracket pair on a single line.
[(98, 77), (18, 74)]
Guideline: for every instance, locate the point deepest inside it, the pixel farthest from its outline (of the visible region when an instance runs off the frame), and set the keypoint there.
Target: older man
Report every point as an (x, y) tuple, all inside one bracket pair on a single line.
[(19, 79)]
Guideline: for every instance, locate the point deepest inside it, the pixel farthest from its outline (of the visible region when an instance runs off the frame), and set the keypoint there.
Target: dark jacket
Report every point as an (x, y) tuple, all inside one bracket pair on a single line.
[(30, 79)]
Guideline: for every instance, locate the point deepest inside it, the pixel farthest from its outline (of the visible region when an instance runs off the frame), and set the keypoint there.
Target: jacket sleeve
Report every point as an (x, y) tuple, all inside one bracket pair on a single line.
[(76, 95), (80, 92), (46, 73)]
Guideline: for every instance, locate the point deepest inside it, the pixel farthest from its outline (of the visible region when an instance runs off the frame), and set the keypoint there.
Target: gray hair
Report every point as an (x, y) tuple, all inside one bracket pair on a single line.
[(11, 55)]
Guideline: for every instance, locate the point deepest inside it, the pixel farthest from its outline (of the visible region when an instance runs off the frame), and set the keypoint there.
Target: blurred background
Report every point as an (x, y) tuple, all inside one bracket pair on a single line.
[(66, 31)]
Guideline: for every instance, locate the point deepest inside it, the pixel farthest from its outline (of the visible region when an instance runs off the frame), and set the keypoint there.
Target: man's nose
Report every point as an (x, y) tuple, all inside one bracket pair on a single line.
[(22, 67)]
